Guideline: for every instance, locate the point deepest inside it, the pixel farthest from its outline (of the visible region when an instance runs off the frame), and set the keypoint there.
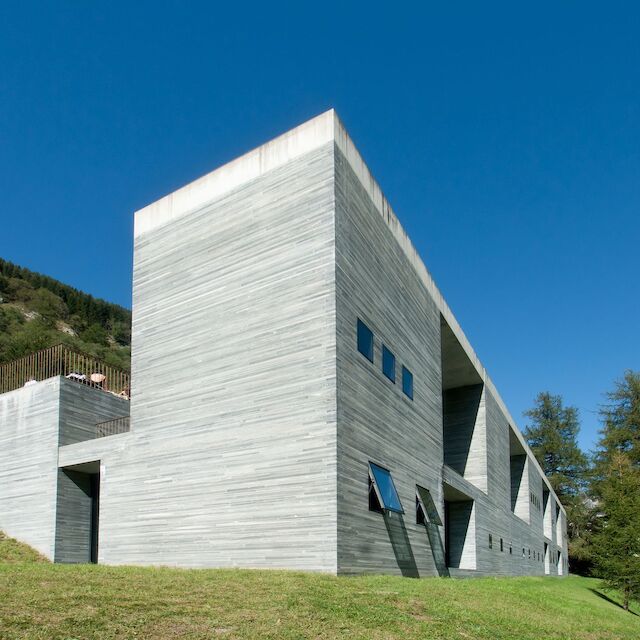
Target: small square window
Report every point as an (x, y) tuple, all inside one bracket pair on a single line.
[(388, 364), (365, 340), (407, 382)]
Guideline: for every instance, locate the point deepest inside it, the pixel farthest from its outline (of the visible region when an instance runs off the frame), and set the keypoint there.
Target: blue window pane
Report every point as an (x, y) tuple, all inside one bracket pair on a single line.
[(407, 382), (365, 340), (388, 364), (387, 493)]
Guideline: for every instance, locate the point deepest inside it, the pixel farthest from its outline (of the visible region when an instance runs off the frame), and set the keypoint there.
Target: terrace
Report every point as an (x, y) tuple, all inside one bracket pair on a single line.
[(61, 360)]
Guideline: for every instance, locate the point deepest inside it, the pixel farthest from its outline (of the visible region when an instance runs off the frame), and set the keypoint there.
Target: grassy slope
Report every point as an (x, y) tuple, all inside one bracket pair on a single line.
[(43, 600)]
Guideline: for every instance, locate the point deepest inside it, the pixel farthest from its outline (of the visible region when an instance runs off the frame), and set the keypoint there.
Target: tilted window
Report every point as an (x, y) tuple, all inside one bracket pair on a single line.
[(384, 488), (388, 364), (427, 507), (365, 340)]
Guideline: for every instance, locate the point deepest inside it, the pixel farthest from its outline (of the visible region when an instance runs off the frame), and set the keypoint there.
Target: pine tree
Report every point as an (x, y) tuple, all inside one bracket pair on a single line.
[(621, 422), (552, 435), (616, 487), (616, 544)]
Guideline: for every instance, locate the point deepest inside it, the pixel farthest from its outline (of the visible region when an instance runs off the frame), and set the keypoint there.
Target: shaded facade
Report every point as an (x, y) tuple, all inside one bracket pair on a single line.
[(302, 396)]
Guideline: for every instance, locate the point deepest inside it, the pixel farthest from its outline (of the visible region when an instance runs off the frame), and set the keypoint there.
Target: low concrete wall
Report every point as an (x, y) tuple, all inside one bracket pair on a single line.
[(29, 419)]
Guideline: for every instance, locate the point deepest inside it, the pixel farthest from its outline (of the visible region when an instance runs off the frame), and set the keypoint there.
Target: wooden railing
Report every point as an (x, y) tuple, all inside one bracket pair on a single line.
[(113, 427), (62, 360)]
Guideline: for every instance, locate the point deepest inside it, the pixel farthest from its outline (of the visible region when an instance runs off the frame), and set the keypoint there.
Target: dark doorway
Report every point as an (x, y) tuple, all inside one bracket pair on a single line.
[(94, 488), (77, 517)]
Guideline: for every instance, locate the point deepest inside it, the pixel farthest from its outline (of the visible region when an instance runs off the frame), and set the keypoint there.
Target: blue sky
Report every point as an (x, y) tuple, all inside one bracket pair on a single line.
[(505, 135)]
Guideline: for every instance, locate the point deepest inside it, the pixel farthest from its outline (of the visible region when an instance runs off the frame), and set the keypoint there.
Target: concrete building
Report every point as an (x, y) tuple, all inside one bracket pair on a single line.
[(302, 397)]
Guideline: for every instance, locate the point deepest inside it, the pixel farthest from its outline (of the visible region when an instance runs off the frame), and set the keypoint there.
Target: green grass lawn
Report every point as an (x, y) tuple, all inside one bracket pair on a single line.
[(43, 600)]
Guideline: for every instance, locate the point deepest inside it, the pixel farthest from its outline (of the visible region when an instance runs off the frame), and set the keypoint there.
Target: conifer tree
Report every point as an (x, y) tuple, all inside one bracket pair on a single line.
[(616, 543), (552, 435), (616, 487), (621, 422)]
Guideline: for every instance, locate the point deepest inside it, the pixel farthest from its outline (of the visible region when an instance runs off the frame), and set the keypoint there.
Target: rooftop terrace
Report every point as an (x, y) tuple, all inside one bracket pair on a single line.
[(62, 360)]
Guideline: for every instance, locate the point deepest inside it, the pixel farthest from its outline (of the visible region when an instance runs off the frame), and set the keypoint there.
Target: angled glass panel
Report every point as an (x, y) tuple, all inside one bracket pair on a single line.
[(428, 505), (407, 382), (365, 340), (388, 364), (385, 489)]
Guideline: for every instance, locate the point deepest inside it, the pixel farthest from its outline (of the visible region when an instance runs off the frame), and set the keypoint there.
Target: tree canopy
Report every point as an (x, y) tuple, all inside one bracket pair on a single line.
[(552, 435), (616, 487)]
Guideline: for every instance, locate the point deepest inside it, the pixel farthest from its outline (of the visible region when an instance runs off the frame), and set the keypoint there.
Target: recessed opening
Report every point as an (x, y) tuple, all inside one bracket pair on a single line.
[(77, 513), (460, 529), (463, 411), (519, 482), (547, 512)]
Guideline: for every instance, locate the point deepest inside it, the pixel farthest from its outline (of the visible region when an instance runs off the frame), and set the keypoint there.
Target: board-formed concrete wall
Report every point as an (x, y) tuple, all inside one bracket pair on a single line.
[(82, 407), (231, 460), (34, 422), (376, 421), (381, 281), (29, 420)]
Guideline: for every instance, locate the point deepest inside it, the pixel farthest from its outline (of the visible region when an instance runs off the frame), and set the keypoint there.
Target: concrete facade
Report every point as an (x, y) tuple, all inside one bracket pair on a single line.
[(254, 417), (36, 422)]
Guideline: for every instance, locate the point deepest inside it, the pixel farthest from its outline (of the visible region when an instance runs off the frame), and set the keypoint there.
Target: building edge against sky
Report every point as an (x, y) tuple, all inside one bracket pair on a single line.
[(302, 395)]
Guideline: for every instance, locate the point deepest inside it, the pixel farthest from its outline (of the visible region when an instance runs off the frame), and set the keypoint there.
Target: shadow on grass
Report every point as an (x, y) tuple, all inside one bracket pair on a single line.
[(608, 599)]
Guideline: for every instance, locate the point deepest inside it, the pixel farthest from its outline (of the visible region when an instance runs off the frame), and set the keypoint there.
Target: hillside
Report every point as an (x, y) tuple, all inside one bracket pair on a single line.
[(37, 311), (12, 551), (53, 602)]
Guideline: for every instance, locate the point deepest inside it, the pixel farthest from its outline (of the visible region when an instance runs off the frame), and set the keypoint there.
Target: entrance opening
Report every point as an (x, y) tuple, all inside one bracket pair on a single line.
[(460, 529), (77, 514)]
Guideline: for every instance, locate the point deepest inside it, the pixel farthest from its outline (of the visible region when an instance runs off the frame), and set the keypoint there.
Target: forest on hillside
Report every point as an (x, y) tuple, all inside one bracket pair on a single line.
[(37, 311)]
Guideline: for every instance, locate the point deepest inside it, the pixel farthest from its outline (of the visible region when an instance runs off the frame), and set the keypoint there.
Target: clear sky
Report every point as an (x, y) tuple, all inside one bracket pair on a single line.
[(505, 135)]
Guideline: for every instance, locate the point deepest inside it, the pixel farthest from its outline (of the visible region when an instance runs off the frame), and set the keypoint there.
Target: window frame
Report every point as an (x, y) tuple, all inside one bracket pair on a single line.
[(386, 351), (361, 324), (372, 477), (407, 375)]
